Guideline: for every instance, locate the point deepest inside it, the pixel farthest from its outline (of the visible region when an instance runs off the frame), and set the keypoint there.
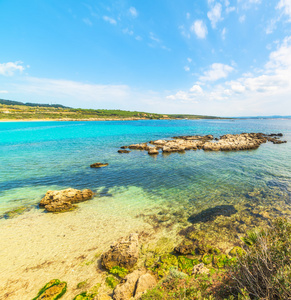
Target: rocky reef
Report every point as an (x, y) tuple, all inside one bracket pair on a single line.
[(228, 142), (61, 201)]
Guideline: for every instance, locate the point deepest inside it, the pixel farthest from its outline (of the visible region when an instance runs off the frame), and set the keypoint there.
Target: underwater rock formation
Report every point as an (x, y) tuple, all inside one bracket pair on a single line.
[(123, 254), (60, 201), (210, 214)]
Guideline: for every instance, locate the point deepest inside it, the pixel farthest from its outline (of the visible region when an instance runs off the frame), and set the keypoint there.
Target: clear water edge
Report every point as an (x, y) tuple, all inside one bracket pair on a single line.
[(38, 156)]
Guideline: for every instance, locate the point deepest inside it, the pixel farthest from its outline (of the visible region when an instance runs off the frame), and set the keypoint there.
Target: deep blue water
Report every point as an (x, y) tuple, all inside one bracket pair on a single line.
[(38, 156)]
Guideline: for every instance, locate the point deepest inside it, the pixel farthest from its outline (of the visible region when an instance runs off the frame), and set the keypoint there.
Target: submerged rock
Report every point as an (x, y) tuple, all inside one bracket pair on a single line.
[(212, 213), (123, 151), (99, 165), (59, 201), (53, 290), (123, 254)]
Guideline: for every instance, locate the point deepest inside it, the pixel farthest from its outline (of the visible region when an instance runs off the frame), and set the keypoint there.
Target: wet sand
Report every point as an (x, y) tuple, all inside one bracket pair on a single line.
[(37, 247)]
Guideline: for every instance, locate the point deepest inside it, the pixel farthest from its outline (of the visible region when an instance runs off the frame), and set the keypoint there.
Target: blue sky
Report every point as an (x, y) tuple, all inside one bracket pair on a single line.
[(225, 58)]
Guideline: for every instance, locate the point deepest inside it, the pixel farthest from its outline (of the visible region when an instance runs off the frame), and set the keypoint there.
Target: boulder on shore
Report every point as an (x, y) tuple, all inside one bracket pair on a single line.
[(124, 253), (134, 285), (60, 201)]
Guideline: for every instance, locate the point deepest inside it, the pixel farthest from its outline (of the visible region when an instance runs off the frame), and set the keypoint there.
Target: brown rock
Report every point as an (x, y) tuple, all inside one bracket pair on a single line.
[(124, 253), (185, 249), (57, 201), (144, 283), (142, 146), (153, 151), (125, 290), (123, 151), (99, 165)]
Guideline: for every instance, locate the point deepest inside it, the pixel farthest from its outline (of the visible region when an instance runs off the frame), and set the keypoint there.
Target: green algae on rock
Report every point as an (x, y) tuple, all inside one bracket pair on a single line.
[(111, 281), (53, 290), (119, 271)]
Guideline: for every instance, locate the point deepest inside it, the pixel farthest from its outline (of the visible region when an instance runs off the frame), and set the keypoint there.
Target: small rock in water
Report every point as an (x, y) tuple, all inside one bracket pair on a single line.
[(123, 151), (99, 165), (60, 201)]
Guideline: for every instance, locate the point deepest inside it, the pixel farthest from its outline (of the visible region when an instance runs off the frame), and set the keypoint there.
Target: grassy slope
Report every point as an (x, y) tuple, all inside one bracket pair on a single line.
[(12, 110)]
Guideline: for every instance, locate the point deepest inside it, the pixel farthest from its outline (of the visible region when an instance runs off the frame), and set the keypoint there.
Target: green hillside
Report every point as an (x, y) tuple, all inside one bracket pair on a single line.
[(15, 110)]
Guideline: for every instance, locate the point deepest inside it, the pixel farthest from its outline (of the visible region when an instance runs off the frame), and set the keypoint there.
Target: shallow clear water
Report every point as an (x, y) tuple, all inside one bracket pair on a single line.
[(38, 156)]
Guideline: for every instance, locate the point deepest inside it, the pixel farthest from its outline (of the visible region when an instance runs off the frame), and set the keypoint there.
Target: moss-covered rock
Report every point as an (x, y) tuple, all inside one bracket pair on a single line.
[(53, 290), (119, 271), (186, 264), (111, 281)]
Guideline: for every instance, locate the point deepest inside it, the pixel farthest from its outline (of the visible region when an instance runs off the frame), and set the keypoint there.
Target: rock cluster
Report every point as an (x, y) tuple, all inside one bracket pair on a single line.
[(134, 285), (60, 201), (124, 253), (228, 142)]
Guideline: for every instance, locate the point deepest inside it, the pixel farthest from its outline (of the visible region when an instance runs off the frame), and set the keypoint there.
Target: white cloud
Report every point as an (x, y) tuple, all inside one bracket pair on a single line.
[(229, 9), (133, 11), (216, 71), (184, 32), (199, 28), (154, 38), (138, 38), (286, 6), (214, 15), (127, 31), (266, 92), (186, 68), (196, 89), (188, 16), (3, 92), (87, 22), (9, 68), (189, 59), (242, 18), (109, 20)]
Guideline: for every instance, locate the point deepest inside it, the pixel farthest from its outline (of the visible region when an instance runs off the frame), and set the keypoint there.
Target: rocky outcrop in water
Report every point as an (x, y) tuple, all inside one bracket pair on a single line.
[(60, 201), (99, 165), (228, 142), (124, 253)]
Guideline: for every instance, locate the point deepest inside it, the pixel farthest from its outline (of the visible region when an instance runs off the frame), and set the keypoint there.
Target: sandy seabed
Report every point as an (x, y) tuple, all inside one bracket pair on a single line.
[(37, 247)]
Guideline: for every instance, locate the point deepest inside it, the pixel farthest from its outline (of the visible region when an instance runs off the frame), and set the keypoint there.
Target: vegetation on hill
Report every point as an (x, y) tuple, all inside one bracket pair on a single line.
[(14, 110)]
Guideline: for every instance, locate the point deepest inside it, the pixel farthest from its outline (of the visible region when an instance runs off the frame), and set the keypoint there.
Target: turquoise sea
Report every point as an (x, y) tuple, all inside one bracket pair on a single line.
[(39, 156)]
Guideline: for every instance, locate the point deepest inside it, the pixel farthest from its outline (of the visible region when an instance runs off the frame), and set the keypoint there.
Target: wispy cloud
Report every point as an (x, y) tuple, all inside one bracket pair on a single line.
[(10, 68), (214, 15), (133, 12), (127, 31), (242, 18), (223, 33), (285, 5), (3, 92), (199, 28), (109, 20), (186, 68), (87, 22)]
